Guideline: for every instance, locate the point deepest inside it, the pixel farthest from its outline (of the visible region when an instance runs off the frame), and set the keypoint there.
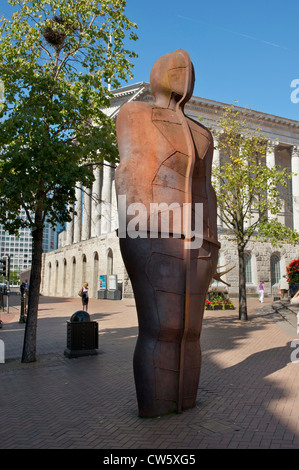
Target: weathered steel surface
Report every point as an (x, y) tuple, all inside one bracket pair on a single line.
[(166, 157)]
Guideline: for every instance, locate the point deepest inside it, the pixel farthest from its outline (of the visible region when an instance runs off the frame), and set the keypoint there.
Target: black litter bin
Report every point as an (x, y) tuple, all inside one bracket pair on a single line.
[(82, 335)]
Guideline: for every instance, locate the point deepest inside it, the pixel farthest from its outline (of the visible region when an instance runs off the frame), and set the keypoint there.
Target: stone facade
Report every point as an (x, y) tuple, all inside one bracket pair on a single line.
[(260, 265), (89, 247), (65, 269)]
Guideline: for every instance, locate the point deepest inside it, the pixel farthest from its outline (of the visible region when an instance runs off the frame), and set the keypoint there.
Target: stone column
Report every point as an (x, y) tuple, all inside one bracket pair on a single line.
[(86, 222), (270, 161), (95, 204), (216, 164), (114, 211), (270, 154), (78, 216), (295, 186), (70, 230), (106, 198), (216, 153)]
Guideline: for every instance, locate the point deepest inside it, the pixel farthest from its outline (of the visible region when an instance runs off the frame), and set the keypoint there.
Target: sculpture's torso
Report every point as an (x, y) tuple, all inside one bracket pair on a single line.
[(170, 160)]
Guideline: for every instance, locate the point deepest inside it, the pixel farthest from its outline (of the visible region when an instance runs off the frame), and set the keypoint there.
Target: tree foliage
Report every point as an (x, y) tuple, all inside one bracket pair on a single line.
[(55, 90), (57, 58), (248, 189)]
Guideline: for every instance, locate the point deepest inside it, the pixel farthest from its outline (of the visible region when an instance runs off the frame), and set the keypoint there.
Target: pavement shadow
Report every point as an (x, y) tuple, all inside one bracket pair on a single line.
[(246, 392), (222, 334), (236, 400), (234, 397)]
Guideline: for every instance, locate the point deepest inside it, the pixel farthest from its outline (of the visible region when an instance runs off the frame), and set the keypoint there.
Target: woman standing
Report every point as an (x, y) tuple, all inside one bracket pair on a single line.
[(84, 296), (261, 292)]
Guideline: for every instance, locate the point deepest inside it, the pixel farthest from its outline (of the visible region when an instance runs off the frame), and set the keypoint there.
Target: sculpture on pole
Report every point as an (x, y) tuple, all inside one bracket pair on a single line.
[(165, 170)]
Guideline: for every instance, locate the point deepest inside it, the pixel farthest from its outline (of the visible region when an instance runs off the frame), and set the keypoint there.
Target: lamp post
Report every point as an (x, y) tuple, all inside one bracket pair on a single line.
[(23, 309), (8, 283)]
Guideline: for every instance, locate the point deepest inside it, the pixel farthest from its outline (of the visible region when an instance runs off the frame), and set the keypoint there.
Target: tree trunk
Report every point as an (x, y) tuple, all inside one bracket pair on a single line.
[(242, 286), (29, 346)]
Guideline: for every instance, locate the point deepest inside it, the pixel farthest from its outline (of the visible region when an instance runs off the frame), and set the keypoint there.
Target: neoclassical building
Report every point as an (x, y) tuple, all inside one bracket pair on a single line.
[(89, 247)]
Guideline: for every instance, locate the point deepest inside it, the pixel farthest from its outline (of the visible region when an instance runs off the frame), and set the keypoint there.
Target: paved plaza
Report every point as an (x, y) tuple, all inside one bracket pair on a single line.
[(248, 394)]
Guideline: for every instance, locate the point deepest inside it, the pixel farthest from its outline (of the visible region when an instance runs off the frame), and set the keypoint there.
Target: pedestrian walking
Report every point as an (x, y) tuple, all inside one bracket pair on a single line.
[(261, 291), (24, 288), (283, 286), (84, 295)]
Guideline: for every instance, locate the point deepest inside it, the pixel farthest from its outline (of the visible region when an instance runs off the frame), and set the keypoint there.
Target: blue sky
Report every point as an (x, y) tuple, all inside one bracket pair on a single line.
[(244, 51)]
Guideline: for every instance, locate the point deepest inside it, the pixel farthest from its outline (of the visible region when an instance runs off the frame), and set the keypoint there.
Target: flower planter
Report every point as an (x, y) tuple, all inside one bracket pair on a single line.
[(217, 301), (293, 288), (220, 307), (293, 276)]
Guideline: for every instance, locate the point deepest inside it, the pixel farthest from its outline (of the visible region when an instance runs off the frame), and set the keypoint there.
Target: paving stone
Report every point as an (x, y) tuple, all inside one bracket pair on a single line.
[(248, 393)]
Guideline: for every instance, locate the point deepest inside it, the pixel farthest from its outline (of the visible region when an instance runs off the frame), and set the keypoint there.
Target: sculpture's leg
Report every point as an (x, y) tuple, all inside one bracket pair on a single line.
[(156, 270), (203, 263), (161, 360)]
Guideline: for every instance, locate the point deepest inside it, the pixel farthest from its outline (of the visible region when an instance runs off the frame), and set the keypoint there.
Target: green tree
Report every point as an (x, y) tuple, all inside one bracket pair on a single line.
[(57, 60), (248, 191)]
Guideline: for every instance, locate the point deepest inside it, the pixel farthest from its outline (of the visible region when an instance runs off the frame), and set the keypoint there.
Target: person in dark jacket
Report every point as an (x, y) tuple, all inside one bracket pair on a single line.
[(84, 296)]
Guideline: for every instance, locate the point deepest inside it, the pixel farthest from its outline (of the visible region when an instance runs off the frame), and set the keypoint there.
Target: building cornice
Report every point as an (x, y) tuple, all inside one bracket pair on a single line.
[(209, 107)]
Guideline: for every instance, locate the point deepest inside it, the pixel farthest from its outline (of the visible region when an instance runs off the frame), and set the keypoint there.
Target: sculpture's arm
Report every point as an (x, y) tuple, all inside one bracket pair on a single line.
[(132, 129), (208, 168), (135, 144), (210, 191)]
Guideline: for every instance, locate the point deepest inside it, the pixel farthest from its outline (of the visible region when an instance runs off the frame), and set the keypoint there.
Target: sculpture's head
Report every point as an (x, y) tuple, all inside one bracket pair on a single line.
[(172, 78)]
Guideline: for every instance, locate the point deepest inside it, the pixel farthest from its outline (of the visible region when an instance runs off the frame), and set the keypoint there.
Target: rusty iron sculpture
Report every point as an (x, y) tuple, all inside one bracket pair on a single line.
[(166, 158), (218, 275)]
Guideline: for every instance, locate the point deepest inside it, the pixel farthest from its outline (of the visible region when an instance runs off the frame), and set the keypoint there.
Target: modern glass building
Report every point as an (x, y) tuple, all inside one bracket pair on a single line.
[(20, 248)]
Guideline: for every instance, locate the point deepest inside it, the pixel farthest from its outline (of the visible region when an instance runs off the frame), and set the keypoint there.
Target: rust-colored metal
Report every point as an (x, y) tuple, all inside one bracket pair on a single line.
[(166, 157)]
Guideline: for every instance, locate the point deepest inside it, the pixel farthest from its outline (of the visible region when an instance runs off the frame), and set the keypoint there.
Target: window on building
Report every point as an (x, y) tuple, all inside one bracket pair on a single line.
[(109, 262), (248, 270), (275, 269)]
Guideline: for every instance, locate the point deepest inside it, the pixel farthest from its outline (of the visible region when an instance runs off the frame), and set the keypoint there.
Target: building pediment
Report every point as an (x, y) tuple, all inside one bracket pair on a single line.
[(208, 111)]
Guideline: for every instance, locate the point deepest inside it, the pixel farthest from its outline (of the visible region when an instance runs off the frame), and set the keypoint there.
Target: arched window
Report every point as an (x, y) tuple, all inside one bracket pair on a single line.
[(73, 276), (49, 278), (64, 277), (248, 270), (95, 273), (109, 262), (84, 269), (56, 277), (275, 269)]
